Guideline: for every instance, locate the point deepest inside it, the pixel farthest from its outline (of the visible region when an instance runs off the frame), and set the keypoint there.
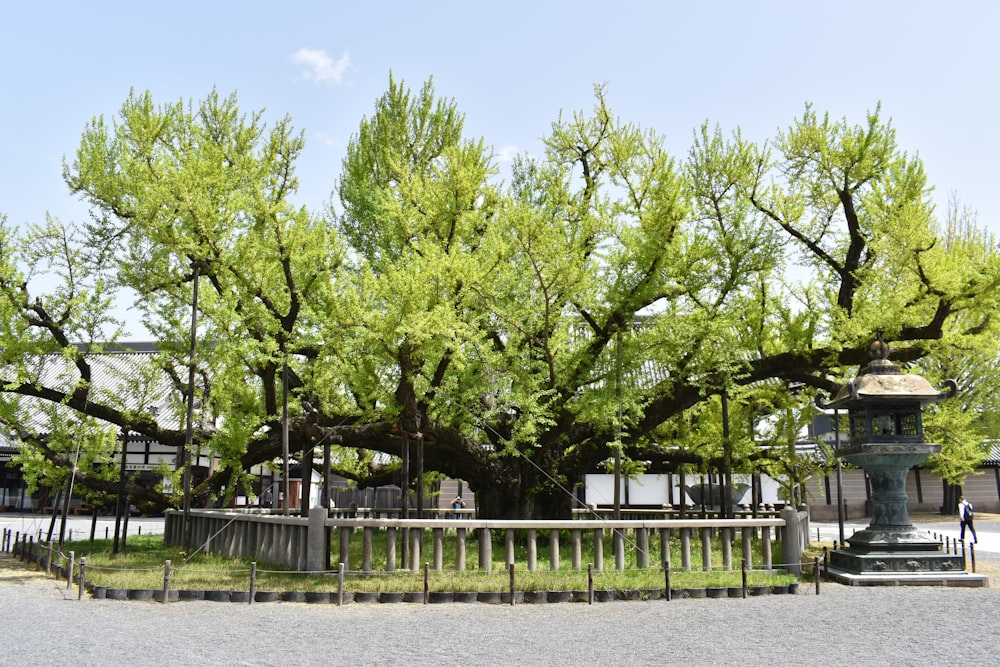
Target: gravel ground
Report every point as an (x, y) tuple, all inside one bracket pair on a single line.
[(46, 625)]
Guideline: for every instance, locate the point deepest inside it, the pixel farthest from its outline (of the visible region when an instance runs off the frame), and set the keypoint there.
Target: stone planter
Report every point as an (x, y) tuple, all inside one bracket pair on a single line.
[(779, 590), (466, 596), (676, 593), (535, 597), (717, 592), (695, 592), (490, 597), (604, 596), (735, 591), (627, 594), (390, 596), (293, 596), (793, 588), (413, 596), (172, 595), (217, 596), (558, 596), (185, 594), (580, 596), (239, 596), (651, 593), (365, 596), (760, 590), (266, 596), (318, 597), (99, 592), (518, 597), (117, 594), (439, 597)]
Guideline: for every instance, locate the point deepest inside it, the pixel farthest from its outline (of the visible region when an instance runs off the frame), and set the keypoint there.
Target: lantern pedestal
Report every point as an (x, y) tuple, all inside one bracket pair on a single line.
[(886, 439), (891, 550)]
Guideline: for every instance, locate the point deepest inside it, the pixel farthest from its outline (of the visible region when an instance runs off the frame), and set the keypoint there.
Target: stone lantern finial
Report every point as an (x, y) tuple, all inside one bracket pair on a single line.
[(879, 349)]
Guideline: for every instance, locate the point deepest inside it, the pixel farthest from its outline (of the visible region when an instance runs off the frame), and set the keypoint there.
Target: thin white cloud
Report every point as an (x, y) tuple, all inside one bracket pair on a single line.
[(318, 66), (506, 153)]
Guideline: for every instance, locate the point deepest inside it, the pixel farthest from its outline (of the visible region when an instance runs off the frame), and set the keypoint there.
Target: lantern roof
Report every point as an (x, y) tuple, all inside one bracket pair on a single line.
[(881, 381)]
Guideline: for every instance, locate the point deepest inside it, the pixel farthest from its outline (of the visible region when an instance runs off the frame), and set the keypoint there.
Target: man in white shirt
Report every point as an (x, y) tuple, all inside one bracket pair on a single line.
[(965, 516)]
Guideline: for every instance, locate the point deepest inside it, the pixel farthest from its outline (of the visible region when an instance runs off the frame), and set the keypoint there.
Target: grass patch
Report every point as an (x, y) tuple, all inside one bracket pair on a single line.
[(143, 567)]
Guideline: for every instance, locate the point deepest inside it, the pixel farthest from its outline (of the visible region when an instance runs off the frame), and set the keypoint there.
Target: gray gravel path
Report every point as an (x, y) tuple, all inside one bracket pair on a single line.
[(44, 624)]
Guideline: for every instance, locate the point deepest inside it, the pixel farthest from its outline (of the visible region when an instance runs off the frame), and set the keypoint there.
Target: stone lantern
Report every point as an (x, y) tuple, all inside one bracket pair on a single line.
[(886, 439)]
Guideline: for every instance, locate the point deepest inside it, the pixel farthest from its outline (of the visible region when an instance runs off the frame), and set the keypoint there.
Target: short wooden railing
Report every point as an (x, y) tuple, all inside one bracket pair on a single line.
[(305, 543), (637, 534)]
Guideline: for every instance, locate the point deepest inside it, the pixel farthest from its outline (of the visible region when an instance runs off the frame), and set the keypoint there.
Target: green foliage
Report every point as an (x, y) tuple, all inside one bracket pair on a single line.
[(602, 300)]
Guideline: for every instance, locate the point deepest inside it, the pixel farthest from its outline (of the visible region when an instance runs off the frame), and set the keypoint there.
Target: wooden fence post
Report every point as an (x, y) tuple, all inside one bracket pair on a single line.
[(166, 580), (340, 585), (83, 577)]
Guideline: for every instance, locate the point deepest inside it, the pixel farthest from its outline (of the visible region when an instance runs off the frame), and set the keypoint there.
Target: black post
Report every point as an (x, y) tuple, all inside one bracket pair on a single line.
[(404, 501), (840, 475), (617, 513), (121, 490), (420, 475), (65, 508), (727, 467), (284, 437), (185, 454), (326, 475)]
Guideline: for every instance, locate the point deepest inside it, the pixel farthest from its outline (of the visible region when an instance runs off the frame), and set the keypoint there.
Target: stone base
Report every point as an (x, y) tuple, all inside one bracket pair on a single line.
[(918, 567), (954, 579), (893, 538)]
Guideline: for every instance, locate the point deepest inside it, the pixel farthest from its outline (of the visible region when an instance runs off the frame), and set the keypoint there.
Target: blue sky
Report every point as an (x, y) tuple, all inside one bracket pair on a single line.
[(511, 67)]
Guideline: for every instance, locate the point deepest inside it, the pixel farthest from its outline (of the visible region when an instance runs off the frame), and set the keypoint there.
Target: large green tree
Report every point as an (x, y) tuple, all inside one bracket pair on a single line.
[(517, 334)]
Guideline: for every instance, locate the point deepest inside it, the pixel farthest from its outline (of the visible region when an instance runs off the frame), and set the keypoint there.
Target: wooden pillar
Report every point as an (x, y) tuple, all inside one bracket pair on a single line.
[(532, 549), (599, 549), (438, 549), (416, 538), (706, 549), (686, 548), (390, 549), (577, 548), (748, 546), (727, 548), (460, 549), (366, 550), (619, 546), (345, 546), (554, 550), (485, 550), (665, 546), (642, 548)]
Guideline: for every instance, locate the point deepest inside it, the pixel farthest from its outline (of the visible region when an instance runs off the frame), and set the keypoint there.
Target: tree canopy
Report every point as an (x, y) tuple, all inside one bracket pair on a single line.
[(523, 328)]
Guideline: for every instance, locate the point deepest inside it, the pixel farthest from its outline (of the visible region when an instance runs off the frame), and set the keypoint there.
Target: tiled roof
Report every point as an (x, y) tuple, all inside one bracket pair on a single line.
[(993, 460), (124, 377)]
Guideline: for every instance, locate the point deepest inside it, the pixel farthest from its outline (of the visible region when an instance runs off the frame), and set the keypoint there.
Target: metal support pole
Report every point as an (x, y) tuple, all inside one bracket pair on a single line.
[(184, 458)]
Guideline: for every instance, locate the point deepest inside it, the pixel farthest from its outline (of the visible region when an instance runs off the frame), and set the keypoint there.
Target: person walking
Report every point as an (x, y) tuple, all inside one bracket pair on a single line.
[(965, 515)]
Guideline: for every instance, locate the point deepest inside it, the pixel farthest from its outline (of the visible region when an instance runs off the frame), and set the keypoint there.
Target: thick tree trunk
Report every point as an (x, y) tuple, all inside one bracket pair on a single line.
[(517, 492)]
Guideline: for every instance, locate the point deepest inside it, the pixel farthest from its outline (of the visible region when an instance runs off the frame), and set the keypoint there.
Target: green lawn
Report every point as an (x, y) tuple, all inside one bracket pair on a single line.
[(143, 566)]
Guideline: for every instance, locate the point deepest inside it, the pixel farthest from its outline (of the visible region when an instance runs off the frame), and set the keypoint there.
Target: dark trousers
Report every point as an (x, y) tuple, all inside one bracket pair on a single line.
[(968, 522)]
